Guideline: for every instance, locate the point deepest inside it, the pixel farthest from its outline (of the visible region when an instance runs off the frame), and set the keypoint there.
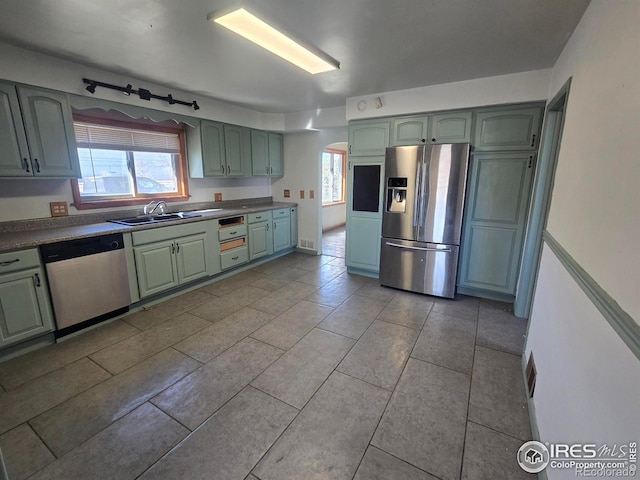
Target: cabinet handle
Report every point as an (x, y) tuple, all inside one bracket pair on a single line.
[(26, 165), (349, 149), (222, 169), (530, 161), (37, 165), (173, 249), (267, 227), (533, 140), (177, 248), (258, 218), (433, 140), (235, 258), (233, 233), (275, 225), (36, 280), (9, 262), (424, 140), (228, 169)]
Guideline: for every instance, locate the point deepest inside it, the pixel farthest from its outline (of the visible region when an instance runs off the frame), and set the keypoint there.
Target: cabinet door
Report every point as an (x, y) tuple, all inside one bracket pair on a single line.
[(294, 226), (48, 123), (364, 213), (14, 161), (409, 130), (156, 268), (213, 155), (23, 306), (281, 233), (259, 153), (513, 129), (237, 145), (491, 247), (451, 128), (191, 258), (276, 159), (368, 138), (260, 240)]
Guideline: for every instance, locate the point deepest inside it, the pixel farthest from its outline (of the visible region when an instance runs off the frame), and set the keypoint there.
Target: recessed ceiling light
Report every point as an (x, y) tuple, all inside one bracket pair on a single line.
[(252, 28)]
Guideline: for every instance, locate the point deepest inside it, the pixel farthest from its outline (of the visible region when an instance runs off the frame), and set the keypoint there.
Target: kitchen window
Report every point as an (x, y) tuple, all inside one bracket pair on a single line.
[(333, 176), (124, 163)]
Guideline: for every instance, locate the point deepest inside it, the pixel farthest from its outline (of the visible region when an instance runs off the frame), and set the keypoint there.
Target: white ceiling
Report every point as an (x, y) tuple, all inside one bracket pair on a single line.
[(381, 45)]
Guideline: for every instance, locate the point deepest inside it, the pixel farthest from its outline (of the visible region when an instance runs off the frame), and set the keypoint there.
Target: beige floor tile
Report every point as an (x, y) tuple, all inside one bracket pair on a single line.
[(408, 309), (463, 307), (215, 339), (279, 278), (161, 312), (501, 330), (289, 327), (380, 354), (447, 341), (69, 424), (137, 348), (221, 307), (323, 275), (425, 421), (283, 298), (379, 465), (42, 393), (35, 364), (330, 435), (23, 452), (310, 262), (373, 289), (122, 451), (230, 284), (197, 396), (353, 317), (296, 376), (229, 444), (337, 290)]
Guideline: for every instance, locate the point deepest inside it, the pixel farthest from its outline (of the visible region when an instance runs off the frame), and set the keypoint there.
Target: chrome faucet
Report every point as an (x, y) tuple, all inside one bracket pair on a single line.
[(152, 206)]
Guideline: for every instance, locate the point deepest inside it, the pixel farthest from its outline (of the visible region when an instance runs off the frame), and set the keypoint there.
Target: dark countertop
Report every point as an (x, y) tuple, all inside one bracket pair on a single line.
[(14, 240)]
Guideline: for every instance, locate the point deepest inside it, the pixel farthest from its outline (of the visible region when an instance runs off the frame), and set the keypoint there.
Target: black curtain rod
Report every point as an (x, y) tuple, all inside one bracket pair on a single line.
[(144, 94)]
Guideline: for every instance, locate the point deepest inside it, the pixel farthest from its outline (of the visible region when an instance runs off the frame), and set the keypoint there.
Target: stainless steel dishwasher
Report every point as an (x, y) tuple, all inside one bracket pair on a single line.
[(88, 281)]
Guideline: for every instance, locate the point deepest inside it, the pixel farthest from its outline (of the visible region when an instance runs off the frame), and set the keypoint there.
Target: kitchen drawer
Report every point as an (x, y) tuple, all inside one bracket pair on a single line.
[(14, 261), (234, 257), (281, 212), (161, 234), (232, 232), (259, 216)]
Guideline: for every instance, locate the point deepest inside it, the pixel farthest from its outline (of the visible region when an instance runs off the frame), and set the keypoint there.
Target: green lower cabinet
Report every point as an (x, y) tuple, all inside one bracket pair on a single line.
[(260, 239), (495, 218), (24, 306), (165, 265), (281, 233), (363, 243)]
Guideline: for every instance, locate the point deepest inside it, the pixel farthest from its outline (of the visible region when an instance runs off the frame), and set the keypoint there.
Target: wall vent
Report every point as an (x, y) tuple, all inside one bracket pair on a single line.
[(309, 243), (531, 373), (303, 243)]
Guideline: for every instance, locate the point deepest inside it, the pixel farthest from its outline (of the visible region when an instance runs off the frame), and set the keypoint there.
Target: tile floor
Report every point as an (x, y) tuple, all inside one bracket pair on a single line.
[(333, 242), (291, 370)]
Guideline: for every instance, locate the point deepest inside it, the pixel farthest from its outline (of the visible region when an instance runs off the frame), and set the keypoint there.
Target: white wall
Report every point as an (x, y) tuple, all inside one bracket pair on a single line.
[(333, 216), (503, 89), (302, 153), (588, 386)]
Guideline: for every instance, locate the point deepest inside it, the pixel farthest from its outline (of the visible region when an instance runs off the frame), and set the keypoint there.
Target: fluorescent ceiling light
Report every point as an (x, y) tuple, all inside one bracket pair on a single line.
[(252, 28)]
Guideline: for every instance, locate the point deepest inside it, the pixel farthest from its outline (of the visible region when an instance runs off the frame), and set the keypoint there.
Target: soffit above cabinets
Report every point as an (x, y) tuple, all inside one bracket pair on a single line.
[(381, 46)]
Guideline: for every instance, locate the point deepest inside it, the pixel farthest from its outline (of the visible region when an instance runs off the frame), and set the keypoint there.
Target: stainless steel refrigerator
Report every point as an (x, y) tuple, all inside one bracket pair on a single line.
[(422, 217)]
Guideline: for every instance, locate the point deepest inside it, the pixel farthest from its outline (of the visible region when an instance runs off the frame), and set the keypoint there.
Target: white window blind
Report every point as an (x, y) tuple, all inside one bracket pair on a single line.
[(113, 138)]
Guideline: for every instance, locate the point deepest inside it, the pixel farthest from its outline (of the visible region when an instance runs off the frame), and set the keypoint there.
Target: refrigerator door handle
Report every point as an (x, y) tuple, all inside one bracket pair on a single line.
[(417, 202), (424, 193), (422, 249)]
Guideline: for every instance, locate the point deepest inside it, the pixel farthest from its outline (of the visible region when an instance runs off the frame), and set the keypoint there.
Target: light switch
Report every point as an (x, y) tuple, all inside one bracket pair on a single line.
[(217, 197), (312, 194), (301, 193), (287, 193)]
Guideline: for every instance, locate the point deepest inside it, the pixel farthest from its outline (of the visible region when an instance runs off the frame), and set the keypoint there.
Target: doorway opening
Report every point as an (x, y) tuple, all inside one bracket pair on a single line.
[(541, 201), (334, 209)]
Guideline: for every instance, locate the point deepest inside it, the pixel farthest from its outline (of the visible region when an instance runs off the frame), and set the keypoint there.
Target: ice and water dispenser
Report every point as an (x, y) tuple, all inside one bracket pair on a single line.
[(396, 194)]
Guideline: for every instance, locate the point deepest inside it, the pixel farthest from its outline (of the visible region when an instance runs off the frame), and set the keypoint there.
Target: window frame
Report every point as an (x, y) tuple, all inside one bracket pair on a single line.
[(344, 178), (140, 198)]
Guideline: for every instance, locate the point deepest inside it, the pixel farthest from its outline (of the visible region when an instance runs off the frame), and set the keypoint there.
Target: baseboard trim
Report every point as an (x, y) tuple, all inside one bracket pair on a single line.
[(306, 251), (477, 292), (621, 322)]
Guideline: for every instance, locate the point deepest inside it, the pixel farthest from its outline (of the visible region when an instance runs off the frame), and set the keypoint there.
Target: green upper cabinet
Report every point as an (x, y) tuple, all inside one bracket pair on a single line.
[(409, 130), (276, 158), (237, 144), (36, 133), (267, 154), (206, 152), (495, 219), (368, 138), (454, 127), (15, 160), (507, 129), (260, 153)]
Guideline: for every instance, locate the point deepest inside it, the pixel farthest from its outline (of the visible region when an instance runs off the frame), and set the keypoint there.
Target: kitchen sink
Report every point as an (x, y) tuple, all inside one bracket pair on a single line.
[(147, 219)]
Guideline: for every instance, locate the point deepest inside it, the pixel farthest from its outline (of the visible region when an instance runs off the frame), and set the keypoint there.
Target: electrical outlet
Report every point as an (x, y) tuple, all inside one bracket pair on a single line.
[(301, 193), (217, 197), (312, 194), (59, 209), (287, 193)]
